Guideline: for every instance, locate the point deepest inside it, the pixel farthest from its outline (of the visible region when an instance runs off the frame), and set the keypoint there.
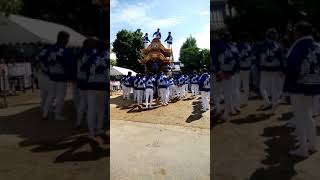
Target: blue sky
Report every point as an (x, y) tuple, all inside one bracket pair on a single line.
[(182, 17)]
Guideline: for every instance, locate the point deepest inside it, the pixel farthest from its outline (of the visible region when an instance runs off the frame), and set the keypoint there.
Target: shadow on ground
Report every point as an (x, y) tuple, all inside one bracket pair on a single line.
[(197, 112), (252, 118), (50, 135), (286, 116), (279, 165), (132, 107)]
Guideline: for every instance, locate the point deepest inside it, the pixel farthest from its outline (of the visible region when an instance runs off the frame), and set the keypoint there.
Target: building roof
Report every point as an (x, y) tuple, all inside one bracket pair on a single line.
[(20, 29)]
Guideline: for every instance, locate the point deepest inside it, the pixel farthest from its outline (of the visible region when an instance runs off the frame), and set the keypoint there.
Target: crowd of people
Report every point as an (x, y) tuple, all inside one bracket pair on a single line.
[(146, 88), (86, 70), (283, 70), (15, 66), (16, 70)]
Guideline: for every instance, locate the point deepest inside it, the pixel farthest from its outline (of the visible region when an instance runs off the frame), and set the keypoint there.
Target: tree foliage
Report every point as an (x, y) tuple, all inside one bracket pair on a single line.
[(192, 57), (205, 57), (113, 62), (10, 6), (127, 47)]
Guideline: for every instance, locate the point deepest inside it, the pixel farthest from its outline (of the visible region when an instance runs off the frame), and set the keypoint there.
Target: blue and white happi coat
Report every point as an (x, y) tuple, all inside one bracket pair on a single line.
[(204, 82), (169, 39), (98, 72), (228, 58), (245, 56), (271, 56), (303, 67)]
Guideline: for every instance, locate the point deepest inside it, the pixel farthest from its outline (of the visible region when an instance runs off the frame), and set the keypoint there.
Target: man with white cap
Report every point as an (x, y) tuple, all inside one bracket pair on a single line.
[(162, 88), (204, 86), (88, 51), (271, 68), (226, 66), (97, 90), (41, 73), (141, 86), (194, 83), (157, 34), (146, 40), (58, 59), (303, 82), (169, 40), (128, 82), (149, 83), (245, 63)]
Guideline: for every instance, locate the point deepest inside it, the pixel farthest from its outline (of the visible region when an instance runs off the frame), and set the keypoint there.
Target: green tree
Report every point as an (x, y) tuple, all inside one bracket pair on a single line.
[(113, 62), (127, 47), (10, 6), (192, 57), (190, 42), (205, 58)]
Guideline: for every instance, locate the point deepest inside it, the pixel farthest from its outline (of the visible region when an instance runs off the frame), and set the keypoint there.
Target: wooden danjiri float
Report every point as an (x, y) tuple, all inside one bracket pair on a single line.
[(156, 57)]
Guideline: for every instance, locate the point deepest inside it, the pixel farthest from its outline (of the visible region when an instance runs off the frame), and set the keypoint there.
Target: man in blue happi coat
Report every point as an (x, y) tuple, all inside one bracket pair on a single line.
[(157, 34), (303, 83), (169, 40)]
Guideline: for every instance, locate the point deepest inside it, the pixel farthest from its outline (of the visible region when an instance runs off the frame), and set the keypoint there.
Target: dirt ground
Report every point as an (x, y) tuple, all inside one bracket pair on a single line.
[(33, 149), (254, 146), (182, 113)]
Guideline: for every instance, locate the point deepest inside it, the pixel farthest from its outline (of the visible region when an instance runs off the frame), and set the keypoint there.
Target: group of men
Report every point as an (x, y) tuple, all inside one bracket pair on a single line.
[(145, 88), (87, 70), (284, 71), (157, 35)]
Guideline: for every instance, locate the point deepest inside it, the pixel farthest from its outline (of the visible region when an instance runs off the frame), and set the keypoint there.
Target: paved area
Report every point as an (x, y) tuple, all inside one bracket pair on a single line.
[(254, 146), (143, 151)]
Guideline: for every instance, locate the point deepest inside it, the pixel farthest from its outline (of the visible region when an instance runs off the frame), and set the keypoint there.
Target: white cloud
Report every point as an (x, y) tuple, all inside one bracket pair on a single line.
[(164, 23), (176, 48), (138, 16), (114, 3), (202, 38), (130, 14)]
